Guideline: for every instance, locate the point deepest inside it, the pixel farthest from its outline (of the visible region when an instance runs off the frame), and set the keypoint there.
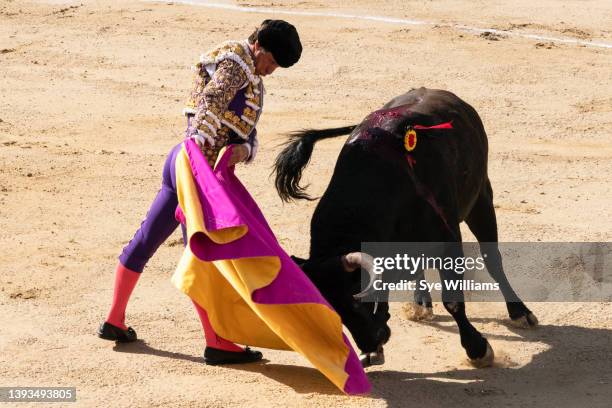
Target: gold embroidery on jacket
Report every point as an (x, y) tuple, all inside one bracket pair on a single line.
[(211, 96)]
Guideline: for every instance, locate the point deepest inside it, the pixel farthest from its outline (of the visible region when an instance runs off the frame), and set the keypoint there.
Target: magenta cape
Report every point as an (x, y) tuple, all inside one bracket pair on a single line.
[(235, 268)]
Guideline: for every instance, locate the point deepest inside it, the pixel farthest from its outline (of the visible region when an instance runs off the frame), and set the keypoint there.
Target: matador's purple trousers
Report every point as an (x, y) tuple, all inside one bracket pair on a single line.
[(159, 222)]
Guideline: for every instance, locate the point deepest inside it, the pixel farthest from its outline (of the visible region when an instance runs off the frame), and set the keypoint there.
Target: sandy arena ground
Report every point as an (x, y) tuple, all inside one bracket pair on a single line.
[(90, 100)]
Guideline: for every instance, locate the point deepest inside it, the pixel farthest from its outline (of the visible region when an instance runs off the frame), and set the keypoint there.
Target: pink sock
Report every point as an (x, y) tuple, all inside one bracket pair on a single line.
[(212, 339), (125, 281)]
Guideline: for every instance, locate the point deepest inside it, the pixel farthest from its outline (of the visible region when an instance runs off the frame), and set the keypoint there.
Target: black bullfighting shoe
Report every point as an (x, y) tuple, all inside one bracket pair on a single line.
[(213, 356), (111, 332)]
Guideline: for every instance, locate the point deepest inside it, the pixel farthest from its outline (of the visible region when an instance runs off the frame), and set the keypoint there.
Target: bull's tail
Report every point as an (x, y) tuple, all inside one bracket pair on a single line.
[(294, 158)]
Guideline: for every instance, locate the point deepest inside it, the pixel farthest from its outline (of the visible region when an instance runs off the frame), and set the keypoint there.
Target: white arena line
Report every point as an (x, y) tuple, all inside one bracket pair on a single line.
[(390, 20)]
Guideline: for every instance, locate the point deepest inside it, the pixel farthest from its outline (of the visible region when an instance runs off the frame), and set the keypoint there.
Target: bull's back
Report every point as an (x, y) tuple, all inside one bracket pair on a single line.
[(470, 140)]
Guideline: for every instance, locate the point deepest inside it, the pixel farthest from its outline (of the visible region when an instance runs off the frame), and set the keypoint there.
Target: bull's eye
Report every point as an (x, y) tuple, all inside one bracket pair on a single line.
[(410, 139)]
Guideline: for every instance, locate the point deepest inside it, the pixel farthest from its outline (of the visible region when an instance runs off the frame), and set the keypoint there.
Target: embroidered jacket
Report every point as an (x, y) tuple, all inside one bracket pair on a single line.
[(226, 100)]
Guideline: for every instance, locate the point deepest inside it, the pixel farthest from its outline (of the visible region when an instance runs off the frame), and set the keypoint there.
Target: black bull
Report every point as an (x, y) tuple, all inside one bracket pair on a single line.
[(381, 193)]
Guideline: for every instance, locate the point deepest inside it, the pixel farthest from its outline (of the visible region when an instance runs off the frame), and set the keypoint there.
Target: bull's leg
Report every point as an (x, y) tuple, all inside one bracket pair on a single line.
[(476, 346), (483, 224), (422, 309)]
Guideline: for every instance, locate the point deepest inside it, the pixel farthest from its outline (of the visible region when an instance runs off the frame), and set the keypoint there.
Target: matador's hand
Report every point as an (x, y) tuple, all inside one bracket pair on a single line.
[(240, 152), (201, 139)]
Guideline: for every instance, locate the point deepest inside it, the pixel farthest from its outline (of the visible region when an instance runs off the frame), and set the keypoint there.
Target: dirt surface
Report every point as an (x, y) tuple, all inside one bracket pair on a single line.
[(90, 100)]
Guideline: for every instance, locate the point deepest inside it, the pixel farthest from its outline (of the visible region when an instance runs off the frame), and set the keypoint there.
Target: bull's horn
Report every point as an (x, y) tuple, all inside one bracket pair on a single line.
[(366, 262)]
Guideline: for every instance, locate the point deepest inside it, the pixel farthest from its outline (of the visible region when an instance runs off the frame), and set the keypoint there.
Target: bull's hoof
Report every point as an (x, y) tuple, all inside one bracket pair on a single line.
[(427, 313), (484, 361), (528, 321), (374, 358), (416, 312)]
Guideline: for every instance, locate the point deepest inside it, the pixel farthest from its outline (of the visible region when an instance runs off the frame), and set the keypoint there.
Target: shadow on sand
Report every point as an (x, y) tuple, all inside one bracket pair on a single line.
[(574, 369), (303, 380)]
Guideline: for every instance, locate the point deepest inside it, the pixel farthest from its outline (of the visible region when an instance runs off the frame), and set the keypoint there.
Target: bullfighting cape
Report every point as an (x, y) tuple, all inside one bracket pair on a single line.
[(235, 269)]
